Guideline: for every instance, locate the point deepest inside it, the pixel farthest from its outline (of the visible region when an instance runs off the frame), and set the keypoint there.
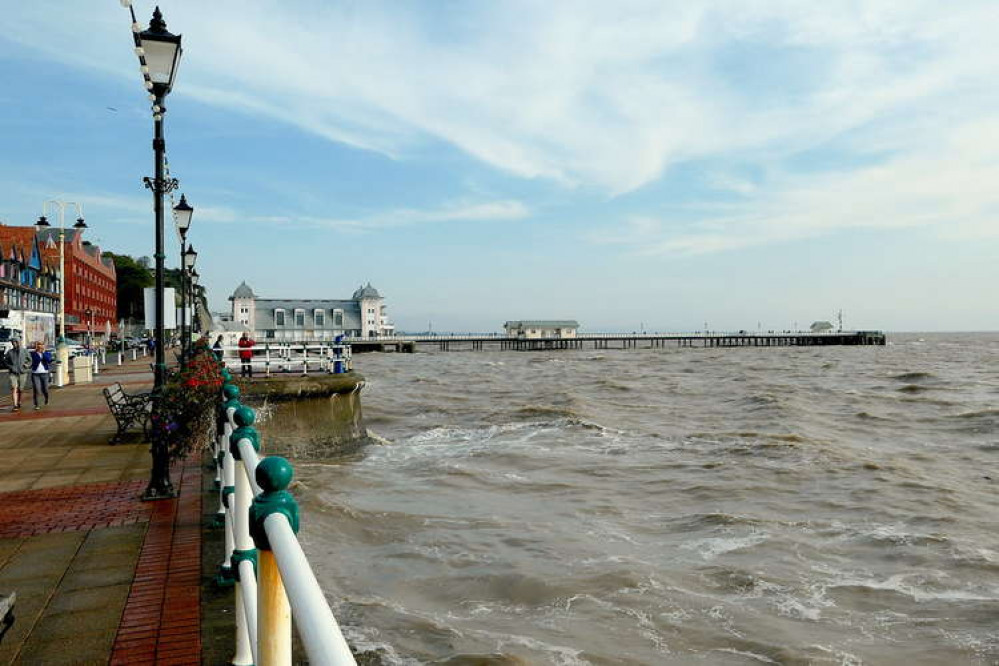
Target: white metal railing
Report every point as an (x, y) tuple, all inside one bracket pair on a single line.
[(300, 357), (264, 560)]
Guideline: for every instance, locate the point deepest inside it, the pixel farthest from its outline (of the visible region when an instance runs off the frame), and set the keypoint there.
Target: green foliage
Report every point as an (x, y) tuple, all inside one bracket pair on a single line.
[(184, 414), (132, 277)]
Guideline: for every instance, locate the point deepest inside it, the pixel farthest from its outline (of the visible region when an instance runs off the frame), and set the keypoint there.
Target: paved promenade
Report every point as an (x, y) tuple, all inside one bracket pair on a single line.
[(101, 577)]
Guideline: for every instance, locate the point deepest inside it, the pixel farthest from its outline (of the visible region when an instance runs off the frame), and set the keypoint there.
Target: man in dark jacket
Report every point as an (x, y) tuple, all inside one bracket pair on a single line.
[(18, 364)]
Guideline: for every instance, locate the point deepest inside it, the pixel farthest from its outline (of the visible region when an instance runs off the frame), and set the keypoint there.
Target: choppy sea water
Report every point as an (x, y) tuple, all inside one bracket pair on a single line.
[(676, 506)]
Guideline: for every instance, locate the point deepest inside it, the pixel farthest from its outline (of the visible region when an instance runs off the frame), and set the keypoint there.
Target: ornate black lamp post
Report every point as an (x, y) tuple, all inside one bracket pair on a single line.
[(182, 213), (194, 300), (159, 52), (190, 256)]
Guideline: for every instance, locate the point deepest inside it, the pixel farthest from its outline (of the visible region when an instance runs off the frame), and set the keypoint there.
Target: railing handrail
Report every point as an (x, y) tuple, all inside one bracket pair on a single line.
[(264, 559), (308, 603)]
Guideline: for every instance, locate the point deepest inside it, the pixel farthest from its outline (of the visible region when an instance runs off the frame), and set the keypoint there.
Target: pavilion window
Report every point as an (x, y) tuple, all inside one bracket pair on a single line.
[(299, 317), (279, 317), (320, 318)]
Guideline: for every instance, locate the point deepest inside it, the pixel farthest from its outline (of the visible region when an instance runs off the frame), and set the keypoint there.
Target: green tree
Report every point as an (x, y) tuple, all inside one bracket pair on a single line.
[(133, 277)]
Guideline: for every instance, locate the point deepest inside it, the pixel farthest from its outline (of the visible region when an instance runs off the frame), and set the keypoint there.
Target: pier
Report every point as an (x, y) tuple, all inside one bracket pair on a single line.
[(500, 342)]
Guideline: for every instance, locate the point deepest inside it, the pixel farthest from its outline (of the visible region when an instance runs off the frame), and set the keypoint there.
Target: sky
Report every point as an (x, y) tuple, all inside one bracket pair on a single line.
[(634, 165)]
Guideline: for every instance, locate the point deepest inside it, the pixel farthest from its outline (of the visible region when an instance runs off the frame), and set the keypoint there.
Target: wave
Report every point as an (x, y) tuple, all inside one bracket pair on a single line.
[(764, 437), (913, 388), (547, 410), (982, 414), (711, 547), (913, 376)]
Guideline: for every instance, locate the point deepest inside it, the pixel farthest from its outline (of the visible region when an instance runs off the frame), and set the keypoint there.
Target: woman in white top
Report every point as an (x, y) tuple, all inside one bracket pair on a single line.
[(41, 360)]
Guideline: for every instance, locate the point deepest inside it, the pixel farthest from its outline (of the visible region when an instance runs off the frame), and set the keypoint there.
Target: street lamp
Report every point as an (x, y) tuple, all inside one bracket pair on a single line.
[(182, 213), (89, 314), (194, 293), (43, 223), (159, 54), (190, 256)]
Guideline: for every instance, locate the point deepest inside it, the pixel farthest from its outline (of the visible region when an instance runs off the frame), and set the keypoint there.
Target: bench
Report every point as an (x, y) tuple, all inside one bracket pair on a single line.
[(128, 410), (6, 613)]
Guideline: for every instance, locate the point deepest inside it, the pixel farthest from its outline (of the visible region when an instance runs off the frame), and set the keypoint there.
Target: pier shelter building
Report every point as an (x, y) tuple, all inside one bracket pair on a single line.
[(307, 320), (541, 328)]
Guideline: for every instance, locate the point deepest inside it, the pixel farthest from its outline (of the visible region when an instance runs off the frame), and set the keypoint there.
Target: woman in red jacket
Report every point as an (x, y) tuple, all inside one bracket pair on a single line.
[(246, 355)]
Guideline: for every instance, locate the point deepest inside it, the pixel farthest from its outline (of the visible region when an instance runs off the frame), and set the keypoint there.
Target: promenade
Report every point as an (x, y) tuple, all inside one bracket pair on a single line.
[(100, 576)]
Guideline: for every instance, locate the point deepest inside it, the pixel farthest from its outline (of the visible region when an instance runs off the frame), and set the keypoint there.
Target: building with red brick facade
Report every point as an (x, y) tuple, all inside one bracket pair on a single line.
[(91, 284)]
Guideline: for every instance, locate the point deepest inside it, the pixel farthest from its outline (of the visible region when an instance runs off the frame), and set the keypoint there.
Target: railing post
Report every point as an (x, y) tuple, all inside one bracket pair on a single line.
[(244, 556), (273, 609)]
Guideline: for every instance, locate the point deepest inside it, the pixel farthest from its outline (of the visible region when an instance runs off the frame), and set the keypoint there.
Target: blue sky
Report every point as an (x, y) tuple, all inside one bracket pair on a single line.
[(633, 163)]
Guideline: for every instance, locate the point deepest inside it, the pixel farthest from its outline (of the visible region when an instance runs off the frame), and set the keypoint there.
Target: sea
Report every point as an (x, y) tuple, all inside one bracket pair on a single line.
[(813, 505)]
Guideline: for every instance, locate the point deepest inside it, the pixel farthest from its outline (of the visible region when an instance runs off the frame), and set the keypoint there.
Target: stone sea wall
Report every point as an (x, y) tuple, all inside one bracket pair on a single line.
[(307, 417)]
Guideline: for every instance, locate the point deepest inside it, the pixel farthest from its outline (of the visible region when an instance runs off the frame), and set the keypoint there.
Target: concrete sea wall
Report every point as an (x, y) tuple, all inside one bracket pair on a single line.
[(311, 416)]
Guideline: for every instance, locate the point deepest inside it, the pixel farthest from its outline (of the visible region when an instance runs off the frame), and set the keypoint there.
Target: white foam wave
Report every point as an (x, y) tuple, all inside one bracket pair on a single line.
[(712, 547)]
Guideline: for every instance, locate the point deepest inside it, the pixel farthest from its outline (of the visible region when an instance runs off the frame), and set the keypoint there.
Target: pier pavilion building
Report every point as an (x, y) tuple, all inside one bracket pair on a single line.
[(541, 328), (307, 320)]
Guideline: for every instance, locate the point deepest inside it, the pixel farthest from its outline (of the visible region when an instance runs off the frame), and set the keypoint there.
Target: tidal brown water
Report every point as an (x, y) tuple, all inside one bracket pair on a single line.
[(677, 506)]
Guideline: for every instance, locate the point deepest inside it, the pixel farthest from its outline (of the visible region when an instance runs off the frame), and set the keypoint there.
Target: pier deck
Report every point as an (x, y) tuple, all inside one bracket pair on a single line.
[(479, 342)]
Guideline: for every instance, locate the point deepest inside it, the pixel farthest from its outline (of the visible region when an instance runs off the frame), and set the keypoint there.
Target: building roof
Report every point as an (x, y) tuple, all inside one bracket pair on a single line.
[(46, 234), (21, 238), (542, 323), (243, 291), (366, 291)]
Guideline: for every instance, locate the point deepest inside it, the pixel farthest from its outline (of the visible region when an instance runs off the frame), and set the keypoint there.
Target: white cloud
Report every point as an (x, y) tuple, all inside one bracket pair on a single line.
[(590, 93), (948, 188), (492, 211), (609, 95)]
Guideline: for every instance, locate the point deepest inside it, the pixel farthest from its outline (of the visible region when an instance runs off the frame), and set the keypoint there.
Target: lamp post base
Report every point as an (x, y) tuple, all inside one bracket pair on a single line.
[(159, 491)]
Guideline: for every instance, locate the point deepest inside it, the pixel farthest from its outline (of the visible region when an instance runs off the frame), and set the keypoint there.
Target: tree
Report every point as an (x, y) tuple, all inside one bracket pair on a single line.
[(132, 277)]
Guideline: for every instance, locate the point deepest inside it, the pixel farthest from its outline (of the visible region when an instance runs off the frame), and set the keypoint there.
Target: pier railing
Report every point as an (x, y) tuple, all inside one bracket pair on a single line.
[(264, 560), (300, 357)]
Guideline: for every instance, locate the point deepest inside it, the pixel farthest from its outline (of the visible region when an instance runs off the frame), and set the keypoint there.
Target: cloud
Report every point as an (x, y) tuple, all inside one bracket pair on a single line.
[(491, 211), (609, 97), (589, 94), (947, 188)]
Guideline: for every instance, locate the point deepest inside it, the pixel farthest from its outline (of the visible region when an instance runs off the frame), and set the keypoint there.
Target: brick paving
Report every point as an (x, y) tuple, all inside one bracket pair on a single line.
[(72, 508), (101, 576), (161, 622)]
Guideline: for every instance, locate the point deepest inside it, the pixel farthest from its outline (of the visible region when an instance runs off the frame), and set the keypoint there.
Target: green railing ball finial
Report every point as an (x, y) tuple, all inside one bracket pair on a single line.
[(244, 416), (274, 474), (230, 391), (226, 375)]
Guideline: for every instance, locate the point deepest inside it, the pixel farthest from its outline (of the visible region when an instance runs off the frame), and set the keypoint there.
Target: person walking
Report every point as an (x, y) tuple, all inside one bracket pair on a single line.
[(41, 362), (246, 355), (18, 363), (217, 349)]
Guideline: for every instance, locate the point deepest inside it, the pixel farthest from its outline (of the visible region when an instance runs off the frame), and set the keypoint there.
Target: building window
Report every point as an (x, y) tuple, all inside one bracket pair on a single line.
[(320, 317), (338, 318), (299, 317), (279, 317)]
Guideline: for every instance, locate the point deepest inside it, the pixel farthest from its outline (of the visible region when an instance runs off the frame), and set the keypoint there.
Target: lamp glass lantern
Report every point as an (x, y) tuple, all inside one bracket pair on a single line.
[(80, 224), (189, 257), (182, 213), (43, 222), (162, 51)]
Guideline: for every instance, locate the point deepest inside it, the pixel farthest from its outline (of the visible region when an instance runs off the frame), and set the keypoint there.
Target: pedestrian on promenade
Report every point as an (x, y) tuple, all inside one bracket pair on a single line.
[(246, 355), (41, 361), (18, 364), (217, 349)]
